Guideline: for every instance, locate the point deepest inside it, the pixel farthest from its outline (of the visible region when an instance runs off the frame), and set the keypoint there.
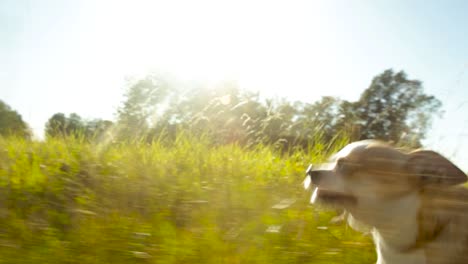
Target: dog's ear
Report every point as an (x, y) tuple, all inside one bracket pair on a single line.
[(434, 169)]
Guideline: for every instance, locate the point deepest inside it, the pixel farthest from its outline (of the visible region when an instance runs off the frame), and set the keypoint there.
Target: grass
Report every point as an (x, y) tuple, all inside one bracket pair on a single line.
[(68, 201)]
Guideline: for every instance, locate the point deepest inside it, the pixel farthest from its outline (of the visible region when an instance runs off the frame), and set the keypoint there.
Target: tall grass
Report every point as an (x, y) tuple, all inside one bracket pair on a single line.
[(69, 201)]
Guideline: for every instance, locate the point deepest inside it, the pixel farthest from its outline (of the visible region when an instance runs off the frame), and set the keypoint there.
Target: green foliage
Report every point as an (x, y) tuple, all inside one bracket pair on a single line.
[(59, 125), (393, 108), (11, 123), (142, 100), (69, 201), (321, 117)]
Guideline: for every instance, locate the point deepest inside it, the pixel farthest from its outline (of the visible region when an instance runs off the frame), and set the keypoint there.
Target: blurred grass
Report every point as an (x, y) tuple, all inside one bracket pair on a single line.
[(69, 201)]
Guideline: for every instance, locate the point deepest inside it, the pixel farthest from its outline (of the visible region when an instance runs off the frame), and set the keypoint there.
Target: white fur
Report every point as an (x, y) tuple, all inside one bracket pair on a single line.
[(398, 232), (387, 255), (393, 228)]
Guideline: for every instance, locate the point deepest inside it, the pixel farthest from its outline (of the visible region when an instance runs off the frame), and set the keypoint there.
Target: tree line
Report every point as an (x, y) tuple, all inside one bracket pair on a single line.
[(393, 108)]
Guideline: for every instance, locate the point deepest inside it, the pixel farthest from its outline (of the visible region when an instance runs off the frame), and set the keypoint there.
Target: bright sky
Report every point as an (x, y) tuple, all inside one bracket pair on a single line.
[(74, 56)]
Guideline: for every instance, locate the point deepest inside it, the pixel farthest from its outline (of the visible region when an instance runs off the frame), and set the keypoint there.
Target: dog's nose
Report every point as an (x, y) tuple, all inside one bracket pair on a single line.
[(316, 176)]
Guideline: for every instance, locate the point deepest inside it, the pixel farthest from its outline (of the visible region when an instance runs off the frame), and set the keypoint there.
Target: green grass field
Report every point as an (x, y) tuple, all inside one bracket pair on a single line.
[(68, 201)]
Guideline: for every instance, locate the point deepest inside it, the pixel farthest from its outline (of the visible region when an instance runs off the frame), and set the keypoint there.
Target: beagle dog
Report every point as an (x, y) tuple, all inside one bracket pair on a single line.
[(410, 202)]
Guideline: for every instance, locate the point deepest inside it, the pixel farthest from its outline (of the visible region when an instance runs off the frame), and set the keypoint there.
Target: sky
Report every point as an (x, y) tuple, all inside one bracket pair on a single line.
[(77, 55)]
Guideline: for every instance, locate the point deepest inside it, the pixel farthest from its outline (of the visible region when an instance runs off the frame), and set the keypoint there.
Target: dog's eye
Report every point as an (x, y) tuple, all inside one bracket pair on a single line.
[(346, 167)]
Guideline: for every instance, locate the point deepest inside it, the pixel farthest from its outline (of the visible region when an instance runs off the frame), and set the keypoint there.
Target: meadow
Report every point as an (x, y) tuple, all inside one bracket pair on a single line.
[(66, 200)]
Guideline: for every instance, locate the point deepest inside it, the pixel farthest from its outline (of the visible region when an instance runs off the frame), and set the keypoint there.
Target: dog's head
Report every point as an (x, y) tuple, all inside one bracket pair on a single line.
[(364, 176)]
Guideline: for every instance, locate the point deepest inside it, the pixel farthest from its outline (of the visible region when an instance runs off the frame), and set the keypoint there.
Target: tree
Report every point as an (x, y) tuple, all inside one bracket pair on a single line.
[(274, 126), (394, 108), (224, 113), (56, 125), (319, 119), (141, 101), (11, 123), (97, 128), (59, 125), (75, 125)]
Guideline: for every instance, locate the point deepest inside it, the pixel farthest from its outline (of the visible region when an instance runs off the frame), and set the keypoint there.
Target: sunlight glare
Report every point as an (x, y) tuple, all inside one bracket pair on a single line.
[(277, 50)]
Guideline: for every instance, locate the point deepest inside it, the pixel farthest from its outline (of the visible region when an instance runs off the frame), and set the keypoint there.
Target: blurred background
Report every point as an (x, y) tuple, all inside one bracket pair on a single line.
[(179, 131)]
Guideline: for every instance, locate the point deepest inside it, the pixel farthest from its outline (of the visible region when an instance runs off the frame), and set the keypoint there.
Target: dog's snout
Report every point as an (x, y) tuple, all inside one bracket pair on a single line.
[(316, 176)]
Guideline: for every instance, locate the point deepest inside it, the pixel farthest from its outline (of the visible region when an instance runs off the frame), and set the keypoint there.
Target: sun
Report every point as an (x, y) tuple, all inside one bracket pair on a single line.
[(263, 46)]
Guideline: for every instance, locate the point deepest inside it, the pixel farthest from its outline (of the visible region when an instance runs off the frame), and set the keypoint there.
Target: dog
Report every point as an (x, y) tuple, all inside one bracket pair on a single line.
[(411, 202)]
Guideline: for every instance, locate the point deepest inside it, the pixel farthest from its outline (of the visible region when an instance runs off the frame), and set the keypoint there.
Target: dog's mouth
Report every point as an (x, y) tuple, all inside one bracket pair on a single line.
[(332, 197), (323, 194)]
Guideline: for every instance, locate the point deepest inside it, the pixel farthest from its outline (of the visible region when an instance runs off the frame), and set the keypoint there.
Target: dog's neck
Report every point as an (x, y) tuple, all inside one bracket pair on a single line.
[(395, 229), (386, 254)]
